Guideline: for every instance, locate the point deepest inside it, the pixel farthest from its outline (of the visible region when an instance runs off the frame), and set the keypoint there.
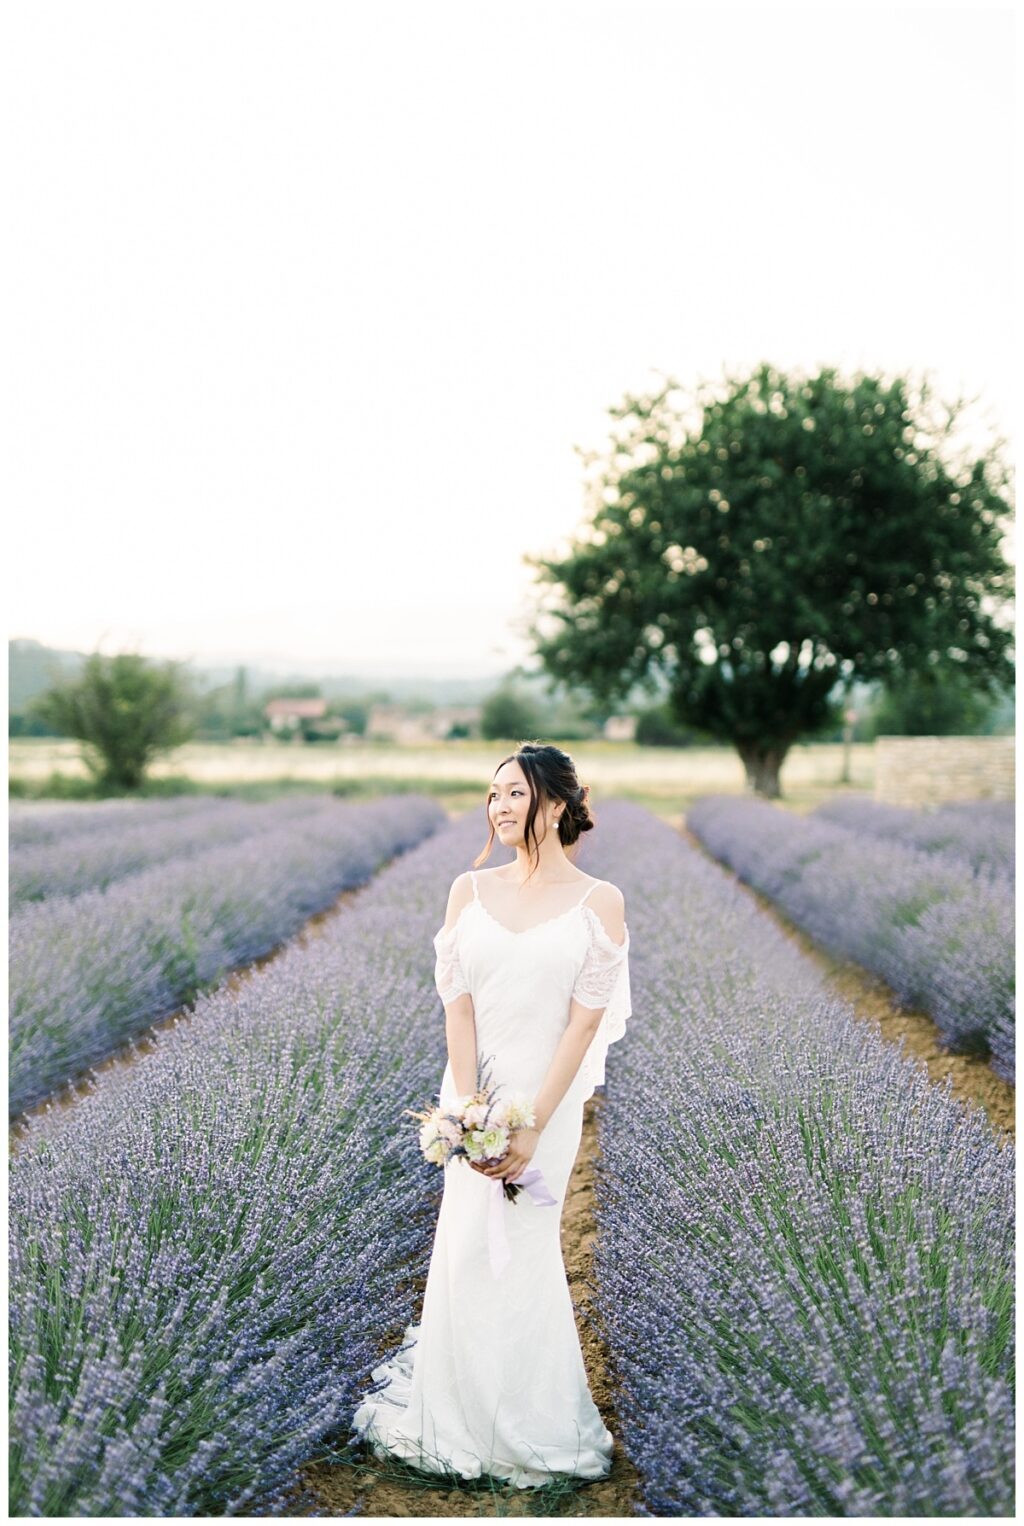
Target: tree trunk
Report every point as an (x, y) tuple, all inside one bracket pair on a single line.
[(762, 761)]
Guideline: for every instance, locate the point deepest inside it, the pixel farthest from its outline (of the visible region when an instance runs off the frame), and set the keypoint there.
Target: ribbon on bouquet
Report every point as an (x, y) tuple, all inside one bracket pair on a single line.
[(532, 1181)]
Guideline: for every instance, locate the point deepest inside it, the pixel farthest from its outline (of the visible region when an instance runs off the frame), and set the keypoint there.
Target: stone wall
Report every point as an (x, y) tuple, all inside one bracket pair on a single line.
[(929, 770)]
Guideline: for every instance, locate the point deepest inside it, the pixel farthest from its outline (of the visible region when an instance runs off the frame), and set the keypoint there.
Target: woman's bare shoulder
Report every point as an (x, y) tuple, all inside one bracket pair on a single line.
[(609, 906), (459, 897)]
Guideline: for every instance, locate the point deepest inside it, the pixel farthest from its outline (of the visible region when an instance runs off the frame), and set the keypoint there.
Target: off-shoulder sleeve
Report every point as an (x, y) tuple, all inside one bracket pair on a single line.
[(448, 974), (603, 981)]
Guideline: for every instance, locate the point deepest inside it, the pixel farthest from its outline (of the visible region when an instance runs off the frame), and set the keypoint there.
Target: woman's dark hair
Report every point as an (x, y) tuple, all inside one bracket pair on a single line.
[(551, 775)]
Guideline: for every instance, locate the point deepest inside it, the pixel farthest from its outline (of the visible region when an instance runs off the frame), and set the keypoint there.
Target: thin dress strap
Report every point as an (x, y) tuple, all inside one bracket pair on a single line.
[(476, 893), (589, 888)]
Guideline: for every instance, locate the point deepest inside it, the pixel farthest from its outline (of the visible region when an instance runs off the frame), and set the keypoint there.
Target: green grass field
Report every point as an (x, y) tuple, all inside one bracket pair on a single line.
[(665, 779)]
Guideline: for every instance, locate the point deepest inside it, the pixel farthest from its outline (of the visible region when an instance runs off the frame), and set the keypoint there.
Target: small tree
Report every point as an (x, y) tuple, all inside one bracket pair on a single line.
[(766, 548), (124, 711), (506, 713)]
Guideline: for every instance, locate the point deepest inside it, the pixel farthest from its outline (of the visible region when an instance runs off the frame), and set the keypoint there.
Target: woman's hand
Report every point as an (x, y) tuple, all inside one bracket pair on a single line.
[(515, 1160)]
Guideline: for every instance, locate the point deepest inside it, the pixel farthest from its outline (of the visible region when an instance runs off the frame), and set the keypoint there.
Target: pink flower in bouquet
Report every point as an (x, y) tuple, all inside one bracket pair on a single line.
[(449, 1129)]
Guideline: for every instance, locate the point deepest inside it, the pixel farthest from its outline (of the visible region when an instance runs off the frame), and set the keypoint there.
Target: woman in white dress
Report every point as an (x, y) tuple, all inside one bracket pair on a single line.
[(532, 968)]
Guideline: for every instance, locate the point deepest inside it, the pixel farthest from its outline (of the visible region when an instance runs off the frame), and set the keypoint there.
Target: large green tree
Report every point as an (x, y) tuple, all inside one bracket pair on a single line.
[(124, 711), (771, 541)]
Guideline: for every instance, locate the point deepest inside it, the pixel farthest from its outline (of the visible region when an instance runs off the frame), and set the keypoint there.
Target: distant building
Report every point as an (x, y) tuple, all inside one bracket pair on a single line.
[(285, 712), (620, 728), (447, 716), (397, 723)]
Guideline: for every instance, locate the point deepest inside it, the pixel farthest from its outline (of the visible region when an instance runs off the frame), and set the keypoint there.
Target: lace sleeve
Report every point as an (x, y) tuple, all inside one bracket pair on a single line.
[(605, 961), (448, 975), (603, 982)]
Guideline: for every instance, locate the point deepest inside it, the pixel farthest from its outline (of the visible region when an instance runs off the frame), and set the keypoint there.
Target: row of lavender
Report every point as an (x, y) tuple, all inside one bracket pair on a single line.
[(92, 853), (805, 1250), (91, 971), (209, 1249), (940, 934), (979, 831), (39, 821)]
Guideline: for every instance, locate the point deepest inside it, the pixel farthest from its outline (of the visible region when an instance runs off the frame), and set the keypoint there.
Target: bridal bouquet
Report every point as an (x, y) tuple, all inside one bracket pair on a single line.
[(478, 1127)]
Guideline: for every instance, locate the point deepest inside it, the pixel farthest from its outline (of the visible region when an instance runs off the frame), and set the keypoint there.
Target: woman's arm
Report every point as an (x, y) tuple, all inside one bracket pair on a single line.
[(609, 904), (460, 1018), (460, 1031)]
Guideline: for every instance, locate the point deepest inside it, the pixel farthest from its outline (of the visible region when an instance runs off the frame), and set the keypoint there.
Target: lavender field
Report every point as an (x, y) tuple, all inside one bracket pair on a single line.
[(981, 832), (93, 854), (206, 1249), (40, 821), (804, 1253), (939, 931), (805, 1250), (92, 970)]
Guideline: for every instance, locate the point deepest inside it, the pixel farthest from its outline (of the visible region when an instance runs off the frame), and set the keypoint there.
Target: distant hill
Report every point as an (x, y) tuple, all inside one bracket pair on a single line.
[(33, 667)]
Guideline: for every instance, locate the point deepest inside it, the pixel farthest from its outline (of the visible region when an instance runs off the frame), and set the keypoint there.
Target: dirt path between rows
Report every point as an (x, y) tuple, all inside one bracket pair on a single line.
[(336, 1485), (974, 1082)]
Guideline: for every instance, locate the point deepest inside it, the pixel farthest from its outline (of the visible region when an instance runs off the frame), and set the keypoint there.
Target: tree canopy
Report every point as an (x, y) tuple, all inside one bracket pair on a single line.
[(124, 711), (772, 541)]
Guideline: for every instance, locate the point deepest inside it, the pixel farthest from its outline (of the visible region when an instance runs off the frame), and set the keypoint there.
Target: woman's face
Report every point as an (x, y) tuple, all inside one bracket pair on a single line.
[(508, 803)]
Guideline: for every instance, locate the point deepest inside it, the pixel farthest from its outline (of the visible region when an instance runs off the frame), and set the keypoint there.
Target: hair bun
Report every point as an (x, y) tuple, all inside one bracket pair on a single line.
[(578, 811)]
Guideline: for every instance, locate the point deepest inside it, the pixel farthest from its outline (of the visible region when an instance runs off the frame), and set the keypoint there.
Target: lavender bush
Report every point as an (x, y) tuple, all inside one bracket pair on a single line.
[(88, 972), (92, 858), (940, 935), (207, 1250), (39, 821), (981, 832), (805, 1249)]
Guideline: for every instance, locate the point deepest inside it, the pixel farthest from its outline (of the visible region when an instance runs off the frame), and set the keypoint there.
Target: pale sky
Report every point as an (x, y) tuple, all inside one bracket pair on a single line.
[(308, 304)]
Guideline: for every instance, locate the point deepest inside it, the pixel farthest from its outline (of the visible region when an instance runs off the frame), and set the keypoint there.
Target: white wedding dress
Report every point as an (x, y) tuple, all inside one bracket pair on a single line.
[(491, 1380)]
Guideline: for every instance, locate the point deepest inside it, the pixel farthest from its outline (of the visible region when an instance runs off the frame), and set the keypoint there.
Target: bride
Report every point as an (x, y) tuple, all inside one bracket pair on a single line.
[(532, 970)]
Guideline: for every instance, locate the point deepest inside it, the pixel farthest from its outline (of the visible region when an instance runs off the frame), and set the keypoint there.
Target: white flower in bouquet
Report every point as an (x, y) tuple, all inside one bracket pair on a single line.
[(519, 1112), (493, 1141), (433, 1145)]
